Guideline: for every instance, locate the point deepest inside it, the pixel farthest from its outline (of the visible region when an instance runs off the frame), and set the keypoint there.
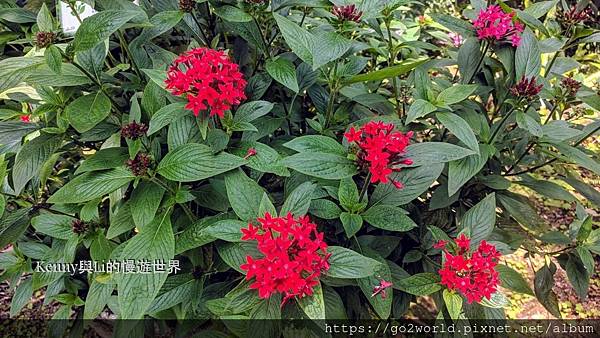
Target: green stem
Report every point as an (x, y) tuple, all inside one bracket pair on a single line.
[(391, 62), (163, 185), (532, 169), (125, 47), (204, 37), (365, 187), (551, 112), (485, 49), (552, 61), (96, 81), (501, 125)]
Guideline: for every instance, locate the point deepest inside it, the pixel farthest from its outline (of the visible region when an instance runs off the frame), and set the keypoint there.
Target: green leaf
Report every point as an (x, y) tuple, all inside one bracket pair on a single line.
[(381, 304), (527, 56), (522, 212), (453, 303), (418, 109), (167, 114), (194, 162), (144, 202), (314, 306), (99, 27), (348, 196), (543, 283), (578, 276), (578, 156), (415, 180), (345, 263), (351, 223), (455, 94), (316, 143), (334, 306), (96, 299), (266, 160), (388, 218), (479, 221), (283, 71), (103, 159), (300, 40), (232, 14), (386, 73), (513, 280), (298, 201), (137, 290), (85, 112), (13, 225), (547, 188), (324, 209), (321, 165), (17, 15), (45, 21), (420, 284), (559, 131), (250, 111), (57, 226), (528, 123), (468, 58), (461, 171), (53, 58), (234, 254), (328, 46), (454, 24), (460, 128), (92, 185), (157, 76), (31, 158), (428, 153), (244, 194), (497, 301), (176, 290), (227, 230), (539, 9), (22, 296)]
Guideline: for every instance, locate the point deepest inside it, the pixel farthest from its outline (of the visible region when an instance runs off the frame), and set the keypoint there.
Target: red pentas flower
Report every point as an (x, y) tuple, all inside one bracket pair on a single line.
[(471, 272), (208, 79), (294, 252), (493, 24), (381, 149), (526, 88)]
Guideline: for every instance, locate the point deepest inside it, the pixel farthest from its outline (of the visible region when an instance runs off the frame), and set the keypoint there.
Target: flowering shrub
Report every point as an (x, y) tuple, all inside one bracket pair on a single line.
[(296, 159)]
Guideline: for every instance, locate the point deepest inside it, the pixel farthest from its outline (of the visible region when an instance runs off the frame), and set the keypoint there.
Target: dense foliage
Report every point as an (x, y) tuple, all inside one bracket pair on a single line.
[(345, 156)]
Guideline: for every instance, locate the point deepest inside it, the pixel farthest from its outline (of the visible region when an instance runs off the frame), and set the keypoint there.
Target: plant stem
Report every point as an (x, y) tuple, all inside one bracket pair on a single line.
[(94, 80), (551, 112), (532, 169), (485, 49), (521, 157), (547, 72), (365, 187), (204, 37), (391, 62), (125, 47), (163, 185), (501, 126)]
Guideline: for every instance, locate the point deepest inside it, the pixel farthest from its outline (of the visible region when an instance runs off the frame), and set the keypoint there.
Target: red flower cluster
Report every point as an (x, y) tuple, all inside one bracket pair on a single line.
[(471, 273), (380, 149), (347, 13), (526, 88), (570, 85), (493, 24), (573, 16), (25, 118), (209, 79), (294, 252)]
